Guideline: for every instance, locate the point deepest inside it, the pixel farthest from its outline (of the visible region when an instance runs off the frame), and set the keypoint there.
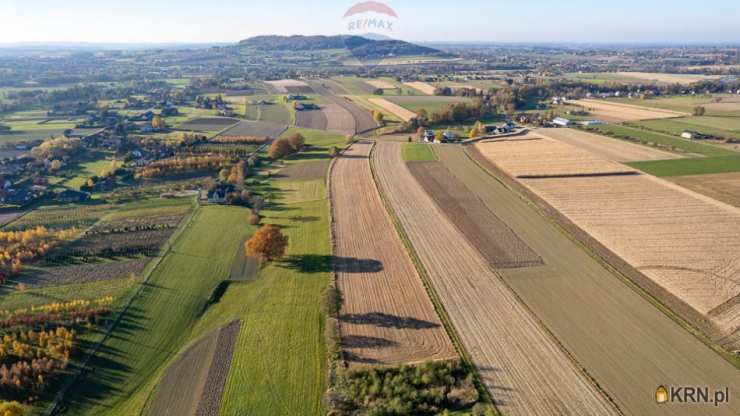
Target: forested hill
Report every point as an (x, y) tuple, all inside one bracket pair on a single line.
[(359, 46)]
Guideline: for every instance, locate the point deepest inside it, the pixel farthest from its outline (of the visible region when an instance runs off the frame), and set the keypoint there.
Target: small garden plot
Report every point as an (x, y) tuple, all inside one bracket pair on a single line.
[(207, 124), (255, 128), (431, 104), (82, 273)]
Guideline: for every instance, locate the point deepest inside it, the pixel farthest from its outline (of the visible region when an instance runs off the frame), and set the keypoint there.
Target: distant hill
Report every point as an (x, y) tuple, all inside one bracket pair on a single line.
[(359, 46)]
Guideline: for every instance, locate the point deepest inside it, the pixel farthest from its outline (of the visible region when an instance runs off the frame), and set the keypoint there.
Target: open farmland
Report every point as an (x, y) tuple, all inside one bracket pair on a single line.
[(290, 86), (338, 119), (617, 112), (424, 87), (497, 243), (210, 400), (386, 315), (520, 364), (607, 148), (721, 127), (256, 128), (311, 119), (363, 119), (685, 79), (665, 232), (207, 124), (547, 157), (723, 187), (158, 321), (393, 108), (381, 84), (621, 339), (430, 104)]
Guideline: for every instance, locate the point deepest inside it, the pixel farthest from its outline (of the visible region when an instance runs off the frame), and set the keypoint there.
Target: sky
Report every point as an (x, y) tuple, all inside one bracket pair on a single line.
[(191, 21)]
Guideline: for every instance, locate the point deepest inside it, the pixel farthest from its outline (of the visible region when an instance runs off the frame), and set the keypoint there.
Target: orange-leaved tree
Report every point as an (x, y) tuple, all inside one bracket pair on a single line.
[(279, 148), (268, 243)]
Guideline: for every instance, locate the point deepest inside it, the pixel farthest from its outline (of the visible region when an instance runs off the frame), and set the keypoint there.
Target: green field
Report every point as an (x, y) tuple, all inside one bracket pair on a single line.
[(417, 152), (432, 104), (664, 140), (160, 318), (699, 166), (33, 129), (276, 112), (723, 127), (682, 103)]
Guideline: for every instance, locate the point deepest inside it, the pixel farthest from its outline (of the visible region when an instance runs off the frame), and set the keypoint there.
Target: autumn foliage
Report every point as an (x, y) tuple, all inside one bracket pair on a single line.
[(183, 164), (21, 247), (241, 139), (268, 243), (279, 148)]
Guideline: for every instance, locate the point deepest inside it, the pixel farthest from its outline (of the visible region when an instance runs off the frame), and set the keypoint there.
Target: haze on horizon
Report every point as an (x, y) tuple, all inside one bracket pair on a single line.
[(191, 21)]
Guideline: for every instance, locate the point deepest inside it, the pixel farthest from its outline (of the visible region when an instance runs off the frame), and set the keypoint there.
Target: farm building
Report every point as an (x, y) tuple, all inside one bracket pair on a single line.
[(695, 135), (560, 121)]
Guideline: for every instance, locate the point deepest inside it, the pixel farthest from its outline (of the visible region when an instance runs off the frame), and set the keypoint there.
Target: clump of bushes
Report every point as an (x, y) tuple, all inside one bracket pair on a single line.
[(427, 389), (286, 146)]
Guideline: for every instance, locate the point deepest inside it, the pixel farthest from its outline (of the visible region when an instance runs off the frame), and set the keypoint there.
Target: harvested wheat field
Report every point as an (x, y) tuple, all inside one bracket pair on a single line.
[(424, 87), (723, 187), (624, 342), (338, 119), (686, 243), (618, 112), (290, 86), (393, 108), (363, 119), (497, 243), (520, 364), (533, 155), (611, 149), (386, 316), (381, 84), (685, 79)]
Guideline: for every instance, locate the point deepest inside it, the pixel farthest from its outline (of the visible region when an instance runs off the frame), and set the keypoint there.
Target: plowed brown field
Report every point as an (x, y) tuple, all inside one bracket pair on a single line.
[(723, 187), (523, 368), (495, 241), (387, 316), (338, 119)]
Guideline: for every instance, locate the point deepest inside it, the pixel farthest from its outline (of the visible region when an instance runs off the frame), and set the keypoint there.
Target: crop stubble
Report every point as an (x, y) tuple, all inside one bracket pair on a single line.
[(524, 369), (617, 112), (386, 316), (626, 344)]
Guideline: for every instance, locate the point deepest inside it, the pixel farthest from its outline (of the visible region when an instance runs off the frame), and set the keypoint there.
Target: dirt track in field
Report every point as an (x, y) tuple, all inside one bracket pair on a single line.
[(607, 148), (387, 316), (523, 368), (494, 239), (312, 119), (617, 112), (626, 344), (363, 119)]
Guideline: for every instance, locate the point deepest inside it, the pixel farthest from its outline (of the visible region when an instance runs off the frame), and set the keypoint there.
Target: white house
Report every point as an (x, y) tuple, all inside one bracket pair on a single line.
[(560, 121)]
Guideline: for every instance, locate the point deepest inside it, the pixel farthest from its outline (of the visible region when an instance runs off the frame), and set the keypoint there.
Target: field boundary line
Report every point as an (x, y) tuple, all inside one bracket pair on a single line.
[(614, 270), (431, 292), (82, 368)]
